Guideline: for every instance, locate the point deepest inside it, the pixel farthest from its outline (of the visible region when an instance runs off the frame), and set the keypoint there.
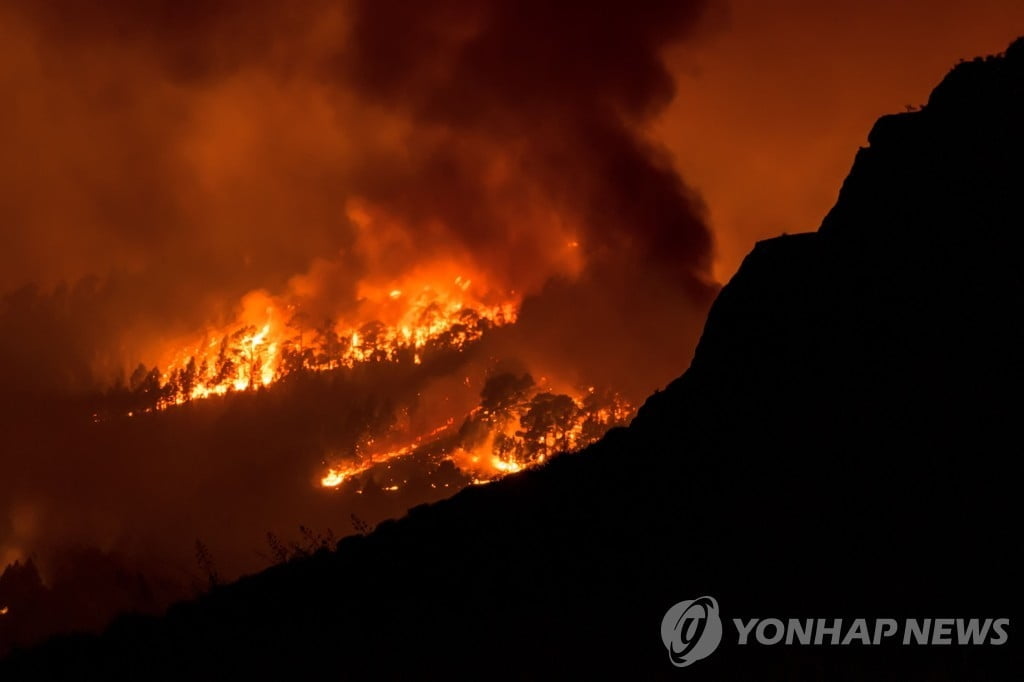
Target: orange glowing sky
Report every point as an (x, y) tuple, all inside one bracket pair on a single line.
[(773, 104), (187, 163), (773, 99)]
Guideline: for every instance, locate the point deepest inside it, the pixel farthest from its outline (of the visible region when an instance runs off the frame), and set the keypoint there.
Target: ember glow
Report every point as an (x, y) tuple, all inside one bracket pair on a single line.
[(338, 474)]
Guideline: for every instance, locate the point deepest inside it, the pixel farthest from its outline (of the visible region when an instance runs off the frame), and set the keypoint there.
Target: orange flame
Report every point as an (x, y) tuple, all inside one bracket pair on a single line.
[(271, 339), (512, 440), (336, 475)]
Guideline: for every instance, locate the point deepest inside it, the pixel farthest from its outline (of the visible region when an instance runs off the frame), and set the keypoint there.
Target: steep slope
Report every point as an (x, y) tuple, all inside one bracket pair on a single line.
[(844, 445)]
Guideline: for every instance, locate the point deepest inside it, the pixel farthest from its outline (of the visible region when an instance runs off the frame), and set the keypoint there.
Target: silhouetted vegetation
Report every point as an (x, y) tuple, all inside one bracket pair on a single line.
[(205, 561)]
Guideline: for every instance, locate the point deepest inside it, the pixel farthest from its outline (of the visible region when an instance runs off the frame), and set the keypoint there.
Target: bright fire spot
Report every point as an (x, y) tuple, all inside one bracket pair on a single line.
[(333, 478), (3, 610), (505, 467)]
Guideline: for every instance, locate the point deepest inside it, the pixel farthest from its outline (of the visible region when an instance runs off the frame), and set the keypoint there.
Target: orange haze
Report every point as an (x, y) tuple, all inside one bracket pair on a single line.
[(772, 106)]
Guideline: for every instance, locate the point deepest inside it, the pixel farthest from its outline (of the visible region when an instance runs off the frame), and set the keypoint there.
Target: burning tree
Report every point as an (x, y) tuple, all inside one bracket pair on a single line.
[(518, 425)]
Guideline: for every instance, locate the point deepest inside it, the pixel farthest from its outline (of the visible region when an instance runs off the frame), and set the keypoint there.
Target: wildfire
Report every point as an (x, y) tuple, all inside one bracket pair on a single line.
[(334, 478), (272, 338), (336, 475), (517, 426)]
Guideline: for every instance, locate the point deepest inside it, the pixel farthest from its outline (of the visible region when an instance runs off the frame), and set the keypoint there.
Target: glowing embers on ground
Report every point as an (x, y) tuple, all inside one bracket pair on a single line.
[(336, 475), (517, 425), (273, 339)]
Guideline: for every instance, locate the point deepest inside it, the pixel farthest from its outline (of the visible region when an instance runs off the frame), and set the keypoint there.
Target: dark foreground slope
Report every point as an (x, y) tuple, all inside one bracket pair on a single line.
[(844, 445)]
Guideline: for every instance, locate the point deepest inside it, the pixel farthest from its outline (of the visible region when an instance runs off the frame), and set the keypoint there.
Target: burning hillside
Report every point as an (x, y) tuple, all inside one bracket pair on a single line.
[(274, 339), (410, 320), (334, 260), (518, 423)]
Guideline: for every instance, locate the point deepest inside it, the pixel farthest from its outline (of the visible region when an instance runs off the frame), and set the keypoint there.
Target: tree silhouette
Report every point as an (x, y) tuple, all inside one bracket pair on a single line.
[(502, 391), (224, 367), (547, 423), (331, 346)]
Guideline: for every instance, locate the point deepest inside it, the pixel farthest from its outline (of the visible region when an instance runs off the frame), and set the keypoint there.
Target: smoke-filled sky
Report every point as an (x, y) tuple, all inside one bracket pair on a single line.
[(772, 106), (186, 153)]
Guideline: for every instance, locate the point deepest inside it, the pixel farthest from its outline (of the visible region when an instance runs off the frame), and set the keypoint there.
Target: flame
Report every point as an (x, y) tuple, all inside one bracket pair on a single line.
[(429, 309), (336, 475), (402, 320), (333, 478), (510, 439), (3, 610)]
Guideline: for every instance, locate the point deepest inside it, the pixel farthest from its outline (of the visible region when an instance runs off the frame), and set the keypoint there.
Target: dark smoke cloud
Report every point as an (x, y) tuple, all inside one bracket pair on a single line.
[(557, 92)]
